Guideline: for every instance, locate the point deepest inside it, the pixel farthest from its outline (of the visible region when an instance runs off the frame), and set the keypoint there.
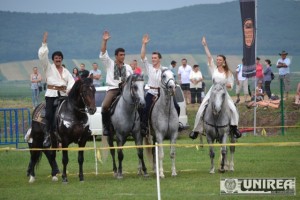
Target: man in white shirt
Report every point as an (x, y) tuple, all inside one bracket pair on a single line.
[(117, 73), (283, 65), (59, 82), (96, 75), (154, 77), (184, 77), (241, 82)]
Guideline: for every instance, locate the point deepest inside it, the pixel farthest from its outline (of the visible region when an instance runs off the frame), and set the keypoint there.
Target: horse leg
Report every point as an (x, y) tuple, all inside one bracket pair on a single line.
[(211, 154), (65, 160), (112, 153), (172, 156), (223, 154), (120, 159), (82, 143), (232, 150), (34, 158), (140, 154), (160, 157), (51, 156)]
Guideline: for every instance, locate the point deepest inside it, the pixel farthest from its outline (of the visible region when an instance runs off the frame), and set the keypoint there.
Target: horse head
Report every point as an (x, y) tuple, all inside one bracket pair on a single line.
[(84, 91), (218, 95), (168, 81), (136, 86)]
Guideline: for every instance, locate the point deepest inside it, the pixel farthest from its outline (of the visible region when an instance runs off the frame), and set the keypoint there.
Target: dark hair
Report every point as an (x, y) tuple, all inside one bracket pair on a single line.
[(157, 53), (184, 59), (226, 68), (57, 53), (76, 69), (119, 50), (173, 62), (195, 66), (268, 61), (257, 58)]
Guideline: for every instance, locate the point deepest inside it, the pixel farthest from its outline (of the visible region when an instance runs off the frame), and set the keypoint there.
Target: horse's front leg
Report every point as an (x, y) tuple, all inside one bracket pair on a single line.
[(223, 154), (34, 157), (211, 154), (82, 143), (172, 156), (232, 150), (160, 156), (65, 160), (142, 166), (120, 143), (110, 141)]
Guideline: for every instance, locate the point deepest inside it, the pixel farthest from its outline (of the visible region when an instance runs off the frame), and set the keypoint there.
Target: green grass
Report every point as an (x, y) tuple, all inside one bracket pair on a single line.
[(193, 180)]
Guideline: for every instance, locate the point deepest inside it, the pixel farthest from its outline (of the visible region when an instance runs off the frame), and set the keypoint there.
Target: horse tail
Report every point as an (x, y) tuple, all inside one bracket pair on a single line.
[(148, 150)]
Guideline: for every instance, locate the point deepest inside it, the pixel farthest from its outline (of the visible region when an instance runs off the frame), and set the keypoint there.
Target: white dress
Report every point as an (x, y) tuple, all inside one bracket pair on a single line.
[(218, 77)]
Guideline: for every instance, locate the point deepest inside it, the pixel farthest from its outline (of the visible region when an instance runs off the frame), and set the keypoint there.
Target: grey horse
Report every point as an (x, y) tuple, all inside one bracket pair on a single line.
[(164, 119), (216, 125), (125, 120)]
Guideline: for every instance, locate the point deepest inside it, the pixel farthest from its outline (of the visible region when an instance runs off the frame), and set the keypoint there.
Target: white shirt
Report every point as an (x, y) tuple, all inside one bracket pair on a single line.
[(185, 73), (239, 70), (53, 77), (220, 76), (154, 76), (283, 70), (110, 66), (196, 76)]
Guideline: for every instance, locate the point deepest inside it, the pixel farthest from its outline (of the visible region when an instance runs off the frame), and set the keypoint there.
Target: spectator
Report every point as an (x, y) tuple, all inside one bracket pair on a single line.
[(283, 65), (259, 70), (75, 74), (83, 73), (297, 96), (172, 68), (196, 84), (259, 93), (35, 79), (95, 74), (241, 82), (135, 68), (184, 77), (268, 78)]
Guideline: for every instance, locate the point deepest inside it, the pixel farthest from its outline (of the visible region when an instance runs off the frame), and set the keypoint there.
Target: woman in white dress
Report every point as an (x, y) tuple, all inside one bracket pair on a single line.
[(220, 73)]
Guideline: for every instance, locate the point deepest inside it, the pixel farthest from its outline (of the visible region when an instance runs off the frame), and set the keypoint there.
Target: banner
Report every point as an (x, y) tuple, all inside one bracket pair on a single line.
[(249, 36)]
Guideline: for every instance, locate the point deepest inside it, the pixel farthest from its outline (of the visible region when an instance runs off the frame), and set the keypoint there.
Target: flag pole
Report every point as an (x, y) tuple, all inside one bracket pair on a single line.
[(255, 79)]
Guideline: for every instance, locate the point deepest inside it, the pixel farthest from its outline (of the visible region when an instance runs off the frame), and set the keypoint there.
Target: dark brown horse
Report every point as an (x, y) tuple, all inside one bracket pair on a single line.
[(72, 127)]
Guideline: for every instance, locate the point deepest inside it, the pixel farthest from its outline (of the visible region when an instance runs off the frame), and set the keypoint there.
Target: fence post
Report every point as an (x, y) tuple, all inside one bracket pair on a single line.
[(281, 106)]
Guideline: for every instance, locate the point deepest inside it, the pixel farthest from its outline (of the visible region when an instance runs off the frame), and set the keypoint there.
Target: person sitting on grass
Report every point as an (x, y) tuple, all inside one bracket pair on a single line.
[(297, 95)]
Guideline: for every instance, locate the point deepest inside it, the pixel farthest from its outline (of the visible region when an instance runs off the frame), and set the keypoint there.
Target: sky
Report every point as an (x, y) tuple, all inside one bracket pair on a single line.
[(97, 6)]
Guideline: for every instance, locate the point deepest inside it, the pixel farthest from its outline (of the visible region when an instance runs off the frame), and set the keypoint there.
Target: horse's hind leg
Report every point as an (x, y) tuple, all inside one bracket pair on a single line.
[(140, 153), (223, 154), (51, 156), (120, 159), (34, 157)]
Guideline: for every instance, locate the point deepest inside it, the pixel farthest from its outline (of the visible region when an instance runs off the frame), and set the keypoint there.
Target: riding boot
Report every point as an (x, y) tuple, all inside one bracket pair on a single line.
[(106, 123), (194, 134), (235, 131), (143, 129), (47, 139)]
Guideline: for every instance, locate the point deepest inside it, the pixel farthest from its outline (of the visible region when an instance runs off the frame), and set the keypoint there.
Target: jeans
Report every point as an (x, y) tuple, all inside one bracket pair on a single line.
[(35, 97), (268, 88)]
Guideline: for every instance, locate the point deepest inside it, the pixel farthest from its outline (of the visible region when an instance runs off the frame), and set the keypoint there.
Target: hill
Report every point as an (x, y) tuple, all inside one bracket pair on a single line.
[(176, 31)]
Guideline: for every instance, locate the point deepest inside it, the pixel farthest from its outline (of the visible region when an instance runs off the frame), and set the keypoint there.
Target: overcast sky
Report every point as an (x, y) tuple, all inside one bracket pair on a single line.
[(97, 6)]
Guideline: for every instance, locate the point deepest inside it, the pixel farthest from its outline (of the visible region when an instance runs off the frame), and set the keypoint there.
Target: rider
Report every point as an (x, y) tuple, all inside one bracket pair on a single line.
[(117, 72), (59, 83), (154, 78), (220, 73)]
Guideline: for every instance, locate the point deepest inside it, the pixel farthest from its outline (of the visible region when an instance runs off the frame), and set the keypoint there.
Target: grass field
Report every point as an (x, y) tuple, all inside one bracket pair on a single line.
[(193, 180)]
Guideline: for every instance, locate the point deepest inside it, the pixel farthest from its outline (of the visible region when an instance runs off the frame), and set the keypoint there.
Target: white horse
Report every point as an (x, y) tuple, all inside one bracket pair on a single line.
[(164, 120), (216, 125), (126, 121)]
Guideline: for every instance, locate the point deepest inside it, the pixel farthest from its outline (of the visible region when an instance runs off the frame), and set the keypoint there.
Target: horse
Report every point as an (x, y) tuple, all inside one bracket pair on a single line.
[(72, 126), (164, 120), (125, 120), (217, 126)]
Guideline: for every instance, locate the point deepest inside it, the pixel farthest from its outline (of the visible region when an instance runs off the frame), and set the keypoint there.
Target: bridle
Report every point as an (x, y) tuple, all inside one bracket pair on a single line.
[(165, 84), (82, 95), (135, 100)]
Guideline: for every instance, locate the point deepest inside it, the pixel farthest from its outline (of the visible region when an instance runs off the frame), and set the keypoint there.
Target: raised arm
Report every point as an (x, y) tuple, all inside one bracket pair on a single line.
[(209, 57), (145, 40), (43, 52), (105, 38)]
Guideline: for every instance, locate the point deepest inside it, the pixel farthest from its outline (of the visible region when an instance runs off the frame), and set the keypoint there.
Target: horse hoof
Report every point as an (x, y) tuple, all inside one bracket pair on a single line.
[(31, 179), (174, 174), (212, 171), (222, 170), (115, 174), (65, 180), (54, 178), (162, 176), (120, 176), (146, 174)]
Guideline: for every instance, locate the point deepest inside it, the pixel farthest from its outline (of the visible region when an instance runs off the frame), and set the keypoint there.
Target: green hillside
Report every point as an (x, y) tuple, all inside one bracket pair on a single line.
[(176, 31)]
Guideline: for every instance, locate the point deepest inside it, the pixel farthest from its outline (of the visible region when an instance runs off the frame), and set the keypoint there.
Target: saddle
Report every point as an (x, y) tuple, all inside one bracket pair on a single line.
[(40, 114), (113, 105)]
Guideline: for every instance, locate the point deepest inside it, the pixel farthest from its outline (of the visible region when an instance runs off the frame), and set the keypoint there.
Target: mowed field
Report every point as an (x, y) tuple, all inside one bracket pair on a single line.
[(193, 180)]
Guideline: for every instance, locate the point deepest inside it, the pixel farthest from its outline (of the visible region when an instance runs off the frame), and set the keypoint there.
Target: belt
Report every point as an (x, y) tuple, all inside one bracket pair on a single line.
[(59, 88), (156, 88)]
